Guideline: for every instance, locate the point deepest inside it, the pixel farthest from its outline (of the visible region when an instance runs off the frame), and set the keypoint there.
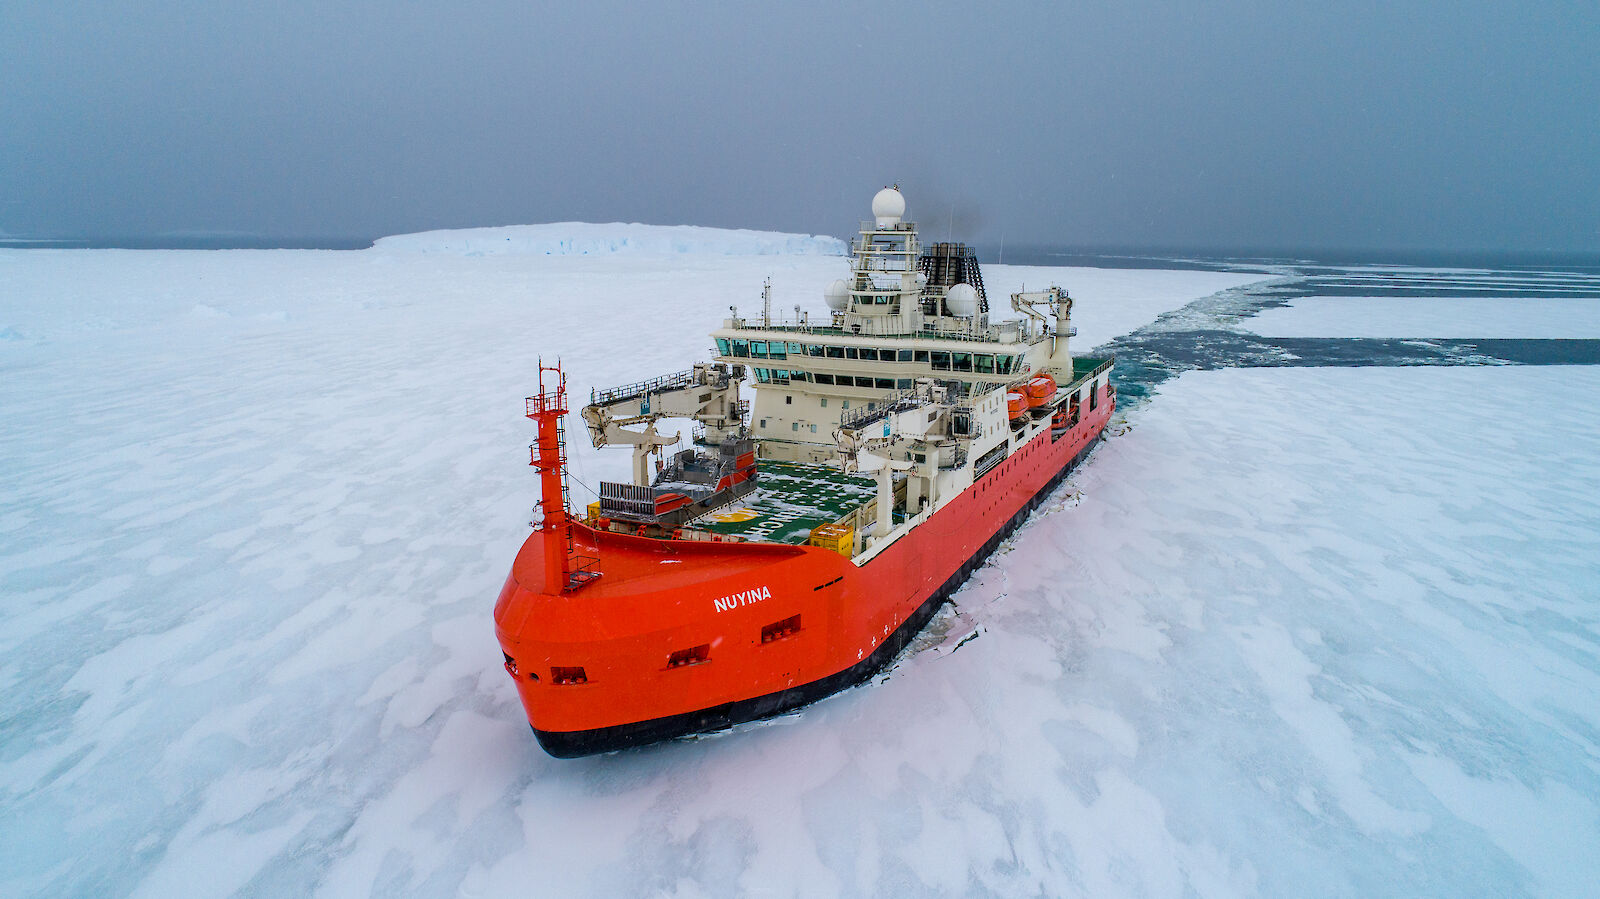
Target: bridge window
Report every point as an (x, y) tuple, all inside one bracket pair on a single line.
[(905, 355), (962, 361), (868, 354), (758, 349), (722, 346), (795, 349), (941, 361), (983, 363), (851, 352), (835, 352), (883, 383), (920, 355), (821, 378), (741, 347)]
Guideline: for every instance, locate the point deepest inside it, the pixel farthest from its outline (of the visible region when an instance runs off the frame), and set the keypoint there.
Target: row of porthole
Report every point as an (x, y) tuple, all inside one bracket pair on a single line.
[(698, 655)]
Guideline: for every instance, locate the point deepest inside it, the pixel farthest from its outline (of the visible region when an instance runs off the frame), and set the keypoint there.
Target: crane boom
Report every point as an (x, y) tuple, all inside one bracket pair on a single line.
[(708, 394)]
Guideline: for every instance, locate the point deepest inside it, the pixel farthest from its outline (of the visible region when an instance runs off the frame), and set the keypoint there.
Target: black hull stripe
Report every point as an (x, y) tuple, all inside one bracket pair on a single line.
[(579, 743)]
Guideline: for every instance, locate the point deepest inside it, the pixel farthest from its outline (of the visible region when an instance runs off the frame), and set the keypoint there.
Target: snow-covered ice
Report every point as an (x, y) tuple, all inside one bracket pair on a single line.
[(1291, 632), (1538, 318), (589, 239)]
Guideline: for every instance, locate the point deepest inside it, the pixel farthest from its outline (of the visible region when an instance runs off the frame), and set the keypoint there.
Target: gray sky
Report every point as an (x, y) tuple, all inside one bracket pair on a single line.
[(1236, 124)]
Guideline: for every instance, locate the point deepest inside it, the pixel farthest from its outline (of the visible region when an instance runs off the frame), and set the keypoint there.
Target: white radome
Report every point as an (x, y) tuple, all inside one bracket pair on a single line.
[(962, 300), (888, 205), (837, 295)]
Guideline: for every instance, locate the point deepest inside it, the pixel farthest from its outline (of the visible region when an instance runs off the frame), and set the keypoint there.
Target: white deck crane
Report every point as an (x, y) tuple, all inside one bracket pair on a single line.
[(707, 393)]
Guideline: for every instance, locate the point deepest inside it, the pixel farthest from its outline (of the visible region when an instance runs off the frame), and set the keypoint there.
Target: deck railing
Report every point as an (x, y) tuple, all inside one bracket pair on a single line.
[(640, 388)]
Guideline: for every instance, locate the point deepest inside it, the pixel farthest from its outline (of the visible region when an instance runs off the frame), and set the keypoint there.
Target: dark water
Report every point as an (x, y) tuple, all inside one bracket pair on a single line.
[(1213, 332)]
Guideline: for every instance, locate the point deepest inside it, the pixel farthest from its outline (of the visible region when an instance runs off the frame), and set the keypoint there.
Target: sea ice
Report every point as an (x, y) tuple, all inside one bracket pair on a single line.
[(1444, 317), (1292, 631)]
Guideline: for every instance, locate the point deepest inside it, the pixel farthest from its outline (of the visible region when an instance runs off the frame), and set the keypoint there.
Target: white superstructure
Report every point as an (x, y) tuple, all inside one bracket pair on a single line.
[(905, 313)]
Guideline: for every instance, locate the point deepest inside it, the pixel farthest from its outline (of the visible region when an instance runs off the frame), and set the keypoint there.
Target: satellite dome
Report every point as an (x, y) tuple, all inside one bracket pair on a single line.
[(837, 295), (962, 300), (888, 206)]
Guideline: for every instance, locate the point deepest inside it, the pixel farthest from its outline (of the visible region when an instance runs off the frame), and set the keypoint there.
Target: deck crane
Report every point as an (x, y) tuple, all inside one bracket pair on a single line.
[(708, 393)]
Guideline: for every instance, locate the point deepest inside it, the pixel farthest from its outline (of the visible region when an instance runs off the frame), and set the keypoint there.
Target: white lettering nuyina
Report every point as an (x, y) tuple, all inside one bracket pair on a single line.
[(754, 594)]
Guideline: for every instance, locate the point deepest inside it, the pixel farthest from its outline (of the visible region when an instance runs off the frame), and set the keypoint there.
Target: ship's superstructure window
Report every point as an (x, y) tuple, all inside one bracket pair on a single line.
[(741, 347), (919, 355), (941, 361), (722, 346), (835, 352)]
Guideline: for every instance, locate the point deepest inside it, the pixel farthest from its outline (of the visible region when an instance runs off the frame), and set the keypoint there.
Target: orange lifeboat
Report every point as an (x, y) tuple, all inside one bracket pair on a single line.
[(1039, 390), (1016, 405)]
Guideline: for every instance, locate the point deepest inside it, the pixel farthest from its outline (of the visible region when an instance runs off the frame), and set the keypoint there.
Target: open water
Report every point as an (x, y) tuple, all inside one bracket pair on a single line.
[(1216, 331)]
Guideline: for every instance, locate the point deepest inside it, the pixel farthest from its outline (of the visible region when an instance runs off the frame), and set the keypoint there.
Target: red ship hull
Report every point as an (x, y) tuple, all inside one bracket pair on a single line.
[(678, 637)]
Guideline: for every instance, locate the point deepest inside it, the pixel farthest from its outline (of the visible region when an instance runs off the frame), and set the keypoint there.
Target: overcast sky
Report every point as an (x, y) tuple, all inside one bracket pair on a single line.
[(1235, 124)]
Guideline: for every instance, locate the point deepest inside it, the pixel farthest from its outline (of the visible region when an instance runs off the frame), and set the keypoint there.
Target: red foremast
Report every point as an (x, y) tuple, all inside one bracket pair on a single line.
[(564, 569)]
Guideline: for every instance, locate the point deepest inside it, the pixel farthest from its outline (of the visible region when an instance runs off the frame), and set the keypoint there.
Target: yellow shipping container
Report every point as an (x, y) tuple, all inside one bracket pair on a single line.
[(839, 538)]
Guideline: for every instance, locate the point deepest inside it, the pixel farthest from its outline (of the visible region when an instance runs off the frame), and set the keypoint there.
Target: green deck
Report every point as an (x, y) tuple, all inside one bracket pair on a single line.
[(1083, 367), (791, 499)]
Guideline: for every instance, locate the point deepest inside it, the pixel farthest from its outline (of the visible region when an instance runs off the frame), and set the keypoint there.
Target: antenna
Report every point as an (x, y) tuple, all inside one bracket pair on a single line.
[(766, 303), (1002, 260)]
